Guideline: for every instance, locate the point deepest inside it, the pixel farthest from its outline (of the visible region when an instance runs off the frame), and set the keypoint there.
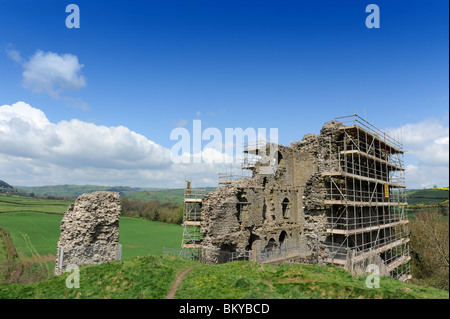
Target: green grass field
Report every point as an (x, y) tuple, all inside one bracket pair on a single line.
[(34, 228), (28, 204), (36, 234), (427, 196), (174, 196), (140, 237), (33, 234)]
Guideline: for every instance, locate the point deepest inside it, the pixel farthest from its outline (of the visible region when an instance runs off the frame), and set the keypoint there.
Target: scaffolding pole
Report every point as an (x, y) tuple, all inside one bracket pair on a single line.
[(191, 241)]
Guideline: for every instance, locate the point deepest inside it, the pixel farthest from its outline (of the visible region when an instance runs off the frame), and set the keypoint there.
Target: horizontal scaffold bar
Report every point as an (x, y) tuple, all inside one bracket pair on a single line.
[(348, 232), (195, 246), (192, 223), (192, 200), (364, 154), (388, 146), (363, 178), (357, 203)]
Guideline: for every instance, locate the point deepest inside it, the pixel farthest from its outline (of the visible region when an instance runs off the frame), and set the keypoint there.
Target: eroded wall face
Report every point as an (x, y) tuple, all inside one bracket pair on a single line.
[(89, 230)]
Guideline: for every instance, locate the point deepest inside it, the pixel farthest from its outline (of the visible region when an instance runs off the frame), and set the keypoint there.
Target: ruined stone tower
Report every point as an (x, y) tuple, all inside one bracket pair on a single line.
[(90, 231), (337, 197)]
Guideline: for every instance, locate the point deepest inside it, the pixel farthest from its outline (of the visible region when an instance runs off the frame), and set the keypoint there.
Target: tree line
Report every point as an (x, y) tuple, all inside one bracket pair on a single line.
[(152, 210)]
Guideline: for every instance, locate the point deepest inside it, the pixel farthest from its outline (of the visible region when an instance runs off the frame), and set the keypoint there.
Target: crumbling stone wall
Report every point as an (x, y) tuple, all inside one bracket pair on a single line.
[(89, 230), (285, 209)]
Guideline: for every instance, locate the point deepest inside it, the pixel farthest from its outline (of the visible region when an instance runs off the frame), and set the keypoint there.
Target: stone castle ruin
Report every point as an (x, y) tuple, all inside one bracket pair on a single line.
[(333, 198), (90, 231)]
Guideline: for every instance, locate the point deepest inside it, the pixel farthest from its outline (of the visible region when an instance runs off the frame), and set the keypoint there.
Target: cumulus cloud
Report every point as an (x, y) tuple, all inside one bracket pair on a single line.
[(51, 73), (26, 132), (35, 151), (427, 152)]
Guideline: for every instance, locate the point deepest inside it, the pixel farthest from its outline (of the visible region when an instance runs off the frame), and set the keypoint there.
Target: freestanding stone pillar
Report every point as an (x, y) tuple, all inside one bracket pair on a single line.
[(90, 231)]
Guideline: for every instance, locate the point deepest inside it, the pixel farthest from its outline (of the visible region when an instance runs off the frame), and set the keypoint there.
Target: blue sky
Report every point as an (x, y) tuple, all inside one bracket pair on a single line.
[(149, 66)]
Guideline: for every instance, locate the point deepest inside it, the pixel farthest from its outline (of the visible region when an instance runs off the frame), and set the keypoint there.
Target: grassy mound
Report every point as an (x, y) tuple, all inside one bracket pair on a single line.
[(152, 277), (147, 277)]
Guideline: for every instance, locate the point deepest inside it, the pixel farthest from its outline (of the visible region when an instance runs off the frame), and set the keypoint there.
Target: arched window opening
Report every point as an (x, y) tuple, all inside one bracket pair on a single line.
[(271, 245), (285, 208), (281, 239)]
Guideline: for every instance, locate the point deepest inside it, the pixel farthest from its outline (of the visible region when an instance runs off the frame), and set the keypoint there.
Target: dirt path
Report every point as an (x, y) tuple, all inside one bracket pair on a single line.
[(175, 284)]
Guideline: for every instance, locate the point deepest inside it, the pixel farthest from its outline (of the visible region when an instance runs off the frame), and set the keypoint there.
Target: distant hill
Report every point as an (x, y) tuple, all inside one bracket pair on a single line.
[(5, 184), (175, 195), (163, 195), (169, 195), (74, 191), (6, 188), (427, 196)]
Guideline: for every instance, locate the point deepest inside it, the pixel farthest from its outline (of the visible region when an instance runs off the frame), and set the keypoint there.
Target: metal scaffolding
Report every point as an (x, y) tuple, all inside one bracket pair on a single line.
[(252, 154), (191, 241), (365, 200), (233, 173)]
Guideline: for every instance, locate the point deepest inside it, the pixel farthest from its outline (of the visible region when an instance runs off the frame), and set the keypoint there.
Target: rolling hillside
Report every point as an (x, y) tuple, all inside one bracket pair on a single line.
[(163, 195), (73, 191), (175, 196), (6, 188), (427, 196)]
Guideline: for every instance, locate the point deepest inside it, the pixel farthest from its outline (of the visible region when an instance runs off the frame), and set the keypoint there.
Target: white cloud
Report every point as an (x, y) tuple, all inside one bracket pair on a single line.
[(24, 131), (51, 73), (28, 133), (427, 145), (35, 151), (426, 176), (14, 55)]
